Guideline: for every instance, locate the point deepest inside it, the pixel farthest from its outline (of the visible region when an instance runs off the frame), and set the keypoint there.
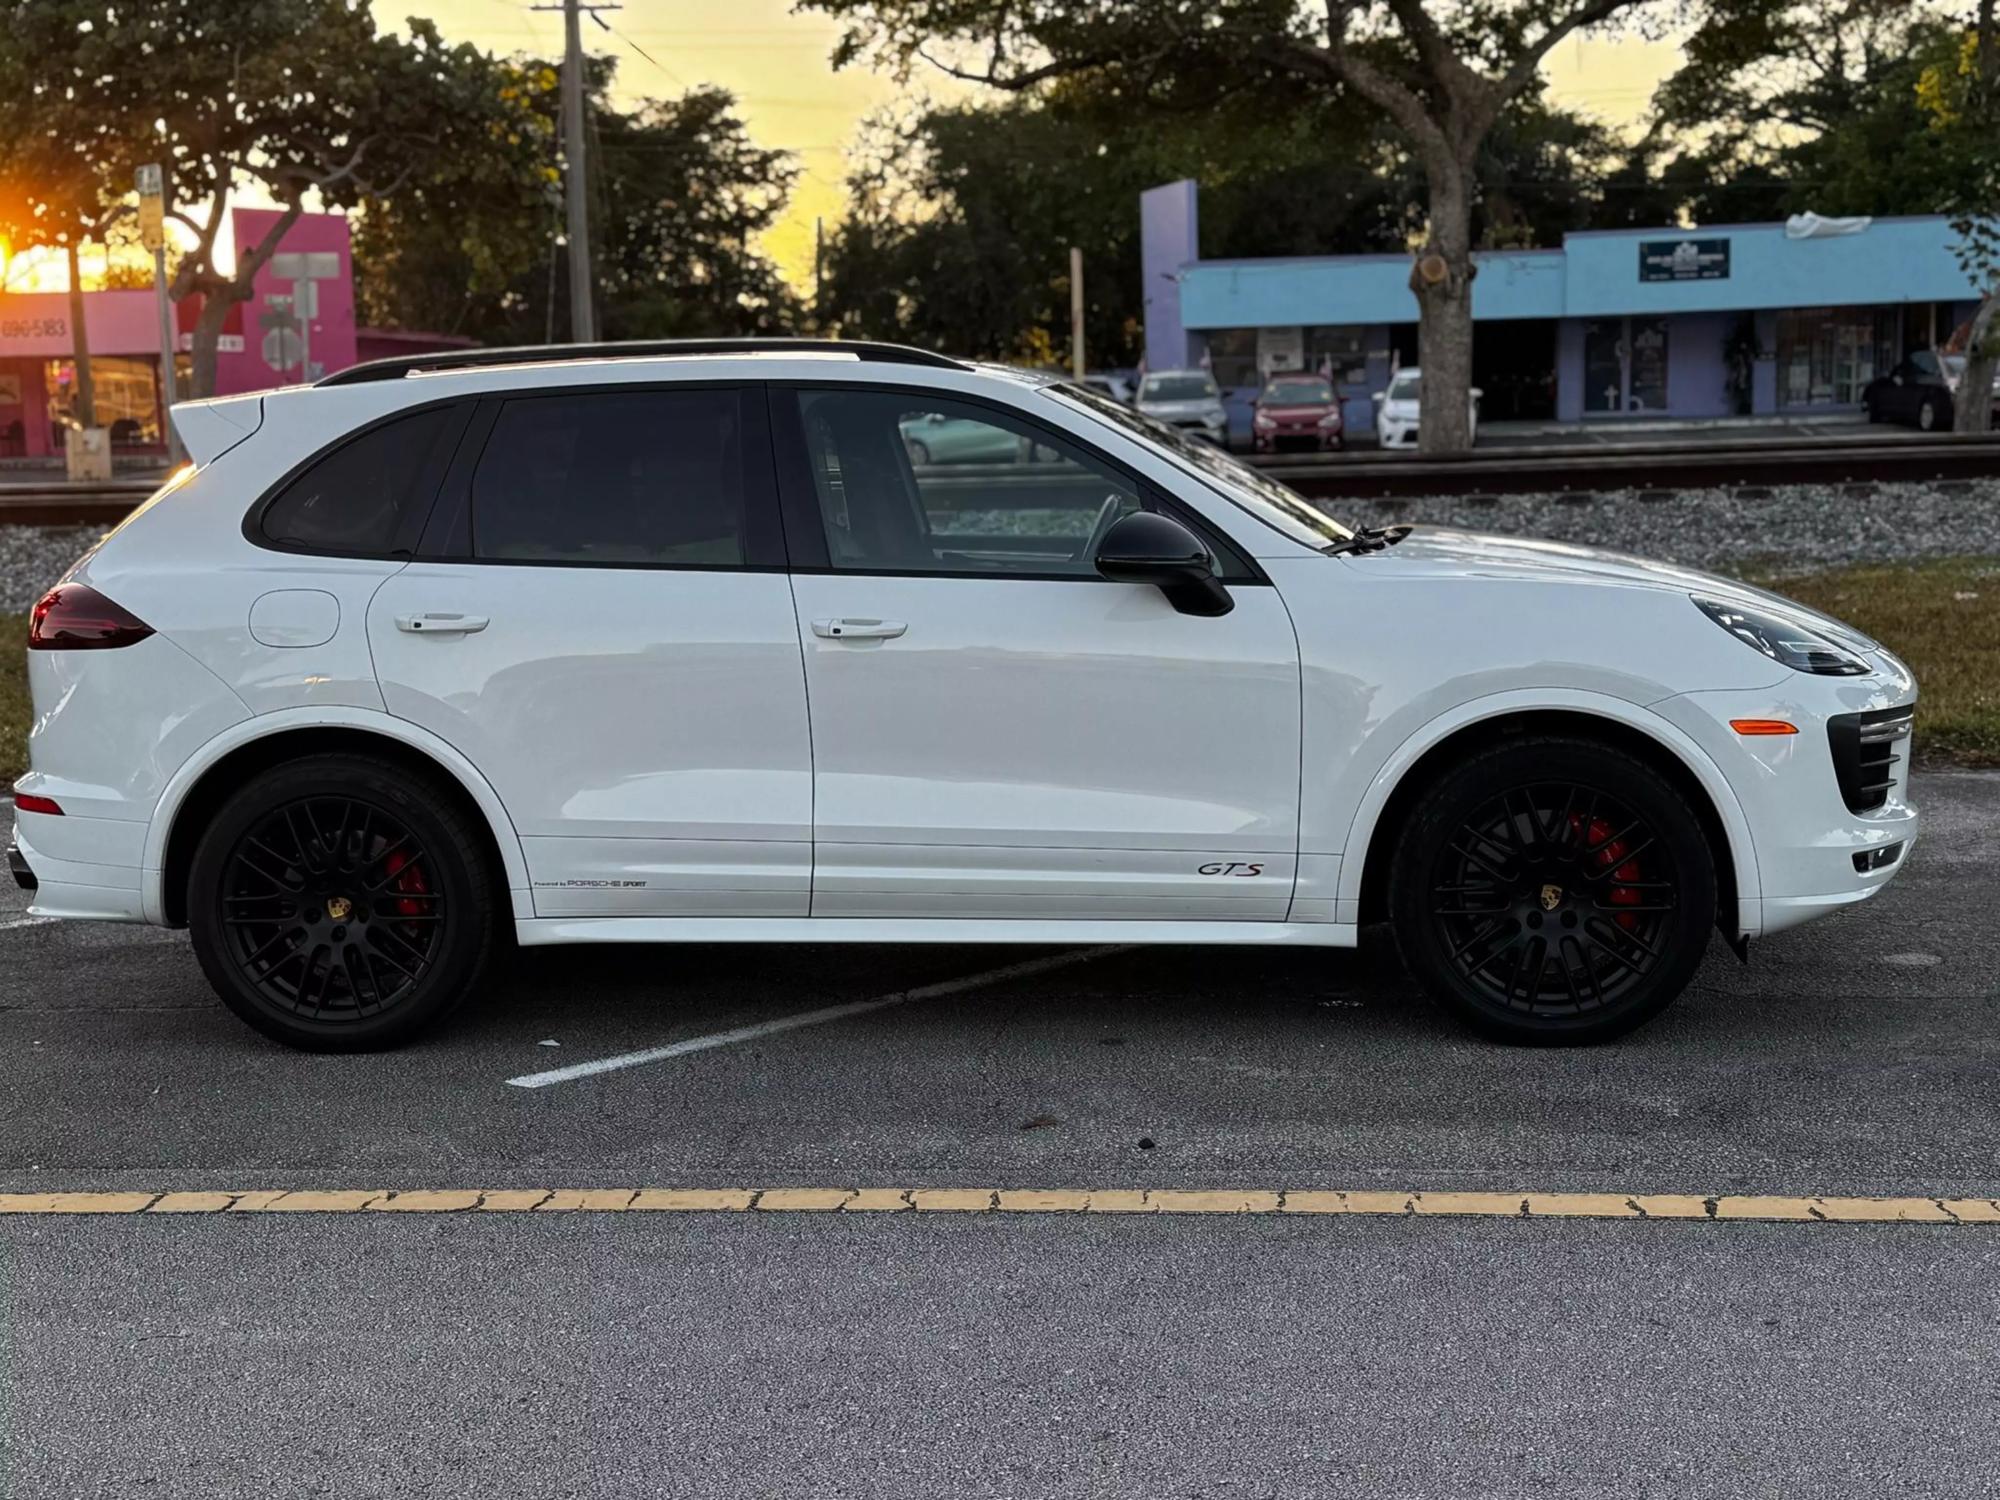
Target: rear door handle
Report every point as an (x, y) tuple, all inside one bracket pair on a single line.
[(441, 624), (852, 629)]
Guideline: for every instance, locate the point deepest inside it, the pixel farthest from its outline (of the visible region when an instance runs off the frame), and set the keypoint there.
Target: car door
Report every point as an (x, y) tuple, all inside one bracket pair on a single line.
[(997, 731), (599, 620)]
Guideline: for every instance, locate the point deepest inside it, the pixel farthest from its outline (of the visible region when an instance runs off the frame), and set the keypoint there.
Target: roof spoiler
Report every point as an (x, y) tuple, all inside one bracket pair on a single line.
[(209, 429)]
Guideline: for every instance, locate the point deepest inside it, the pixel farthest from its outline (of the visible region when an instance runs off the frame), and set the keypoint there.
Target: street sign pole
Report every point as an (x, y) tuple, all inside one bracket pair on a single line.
[(152, 187)]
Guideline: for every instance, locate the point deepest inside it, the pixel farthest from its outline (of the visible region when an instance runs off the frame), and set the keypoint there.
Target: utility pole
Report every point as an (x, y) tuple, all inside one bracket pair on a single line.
[(1075, 313), (151, 181), (576, 178)]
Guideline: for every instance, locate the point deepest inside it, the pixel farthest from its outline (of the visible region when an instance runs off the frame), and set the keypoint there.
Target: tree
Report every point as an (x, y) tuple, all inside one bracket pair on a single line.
[(50, 194), (962, 217), (303, 98), (1443, 76), (678, 192), (1962, 93), (1882, 107)]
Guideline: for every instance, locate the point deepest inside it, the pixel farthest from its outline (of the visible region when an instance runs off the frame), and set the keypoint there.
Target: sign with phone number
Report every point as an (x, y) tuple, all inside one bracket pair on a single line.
[(33, 328)]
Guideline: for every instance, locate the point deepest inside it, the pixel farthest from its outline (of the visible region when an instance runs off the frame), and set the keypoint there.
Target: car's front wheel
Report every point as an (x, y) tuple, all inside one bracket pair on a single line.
[(340, 903), (1553, 890), (1933, 414)]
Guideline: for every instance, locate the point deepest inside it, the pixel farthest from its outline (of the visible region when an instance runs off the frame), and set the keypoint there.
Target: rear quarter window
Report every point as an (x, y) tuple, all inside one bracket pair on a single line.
[(367, 493)]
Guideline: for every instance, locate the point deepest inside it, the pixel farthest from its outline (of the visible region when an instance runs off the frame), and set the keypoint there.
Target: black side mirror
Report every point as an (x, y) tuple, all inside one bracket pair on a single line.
[(1146, 547)]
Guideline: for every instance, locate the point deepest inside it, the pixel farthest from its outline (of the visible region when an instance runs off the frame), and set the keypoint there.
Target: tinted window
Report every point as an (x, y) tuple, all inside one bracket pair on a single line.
[(357, 497), (1923, 362), (910, 484), (614, 477), (1298, 391)]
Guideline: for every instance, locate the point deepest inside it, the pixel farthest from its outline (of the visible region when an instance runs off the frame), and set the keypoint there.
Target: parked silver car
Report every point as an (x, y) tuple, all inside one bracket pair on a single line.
[(1188, 399)]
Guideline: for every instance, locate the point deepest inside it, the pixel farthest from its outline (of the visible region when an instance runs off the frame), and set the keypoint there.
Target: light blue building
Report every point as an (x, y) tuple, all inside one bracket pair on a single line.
[(1736, 319)]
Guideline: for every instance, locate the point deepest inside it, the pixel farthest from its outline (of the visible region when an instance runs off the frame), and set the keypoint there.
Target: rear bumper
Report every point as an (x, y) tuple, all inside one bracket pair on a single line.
[(79, 867)]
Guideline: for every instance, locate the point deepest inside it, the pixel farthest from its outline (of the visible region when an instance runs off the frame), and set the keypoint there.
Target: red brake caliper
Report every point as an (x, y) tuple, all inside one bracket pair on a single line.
[(409, 880), (1612, 857)]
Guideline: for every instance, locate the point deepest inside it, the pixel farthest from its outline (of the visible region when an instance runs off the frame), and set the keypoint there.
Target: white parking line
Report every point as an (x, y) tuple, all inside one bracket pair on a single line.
[(26, 922), (807, 1018)]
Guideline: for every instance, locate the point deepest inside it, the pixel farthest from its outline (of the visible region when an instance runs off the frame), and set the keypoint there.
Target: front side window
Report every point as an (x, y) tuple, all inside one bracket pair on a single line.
[(1248, 489), (358, 497), (614, 477), (917, 484)]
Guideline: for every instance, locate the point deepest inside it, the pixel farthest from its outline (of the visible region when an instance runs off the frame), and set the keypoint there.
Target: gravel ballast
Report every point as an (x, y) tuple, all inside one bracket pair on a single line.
[(1797, 528)]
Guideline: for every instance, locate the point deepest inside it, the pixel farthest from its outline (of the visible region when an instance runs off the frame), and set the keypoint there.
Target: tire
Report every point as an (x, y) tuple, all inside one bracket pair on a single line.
[(1927, 416), (339, 903), (1573, 927), (1873, 411), (919, 452)]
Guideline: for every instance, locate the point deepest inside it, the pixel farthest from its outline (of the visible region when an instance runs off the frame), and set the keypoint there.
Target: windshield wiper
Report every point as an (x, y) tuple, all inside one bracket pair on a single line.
[(1368, 539)]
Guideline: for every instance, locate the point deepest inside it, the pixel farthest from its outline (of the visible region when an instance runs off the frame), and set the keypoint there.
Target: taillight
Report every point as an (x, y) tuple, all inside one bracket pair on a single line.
[(70, 617), (29, 802)]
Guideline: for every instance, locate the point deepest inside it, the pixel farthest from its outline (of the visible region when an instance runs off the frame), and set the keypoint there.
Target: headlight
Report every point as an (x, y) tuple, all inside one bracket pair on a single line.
[(1266, 420), (1331, 419), (1780, 639)]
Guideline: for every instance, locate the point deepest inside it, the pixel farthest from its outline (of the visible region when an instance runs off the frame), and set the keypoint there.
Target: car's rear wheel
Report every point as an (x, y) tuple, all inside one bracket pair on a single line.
[(919, 452), (1930, 417), (1553, 890), (340, 903)]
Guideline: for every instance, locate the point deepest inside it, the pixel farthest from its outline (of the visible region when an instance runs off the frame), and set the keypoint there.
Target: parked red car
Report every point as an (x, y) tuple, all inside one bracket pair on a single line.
[(1296, 410)]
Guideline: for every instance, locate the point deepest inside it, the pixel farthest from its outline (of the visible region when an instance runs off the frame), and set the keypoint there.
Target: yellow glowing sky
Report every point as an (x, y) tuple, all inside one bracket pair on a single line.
[(775, 63)]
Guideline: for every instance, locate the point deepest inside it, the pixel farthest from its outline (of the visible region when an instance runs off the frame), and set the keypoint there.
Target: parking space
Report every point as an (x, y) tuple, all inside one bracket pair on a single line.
[(1010, 1353), (1854, 1057)]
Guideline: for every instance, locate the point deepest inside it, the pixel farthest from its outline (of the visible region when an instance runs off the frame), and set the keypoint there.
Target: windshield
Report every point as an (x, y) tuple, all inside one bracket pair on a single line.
[(1298, 392), (1405, 386), (1954, 364), (1272, 503), (1178, 388)]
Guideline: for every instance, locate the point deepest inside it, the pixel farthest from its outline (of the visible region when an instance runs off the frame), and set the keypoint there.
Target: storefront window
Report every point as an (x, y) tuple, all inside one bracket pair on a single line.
[(1625, 365), (1339, 353), (127, 391), (1232, 356), (1826, 355)]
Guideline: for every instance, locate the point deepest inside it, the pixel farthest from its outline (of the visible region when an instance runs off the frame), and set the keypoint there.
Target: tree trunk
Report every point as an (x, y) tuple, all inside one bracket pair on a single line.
[(85, 409), (215, 304), (1974, 402), (1442, 280)]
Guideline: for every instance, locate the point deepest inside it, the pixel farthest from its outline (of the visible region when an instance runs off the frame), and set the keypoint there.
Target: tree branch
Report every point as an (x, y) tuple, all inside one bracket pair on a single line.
[(1589, 13)]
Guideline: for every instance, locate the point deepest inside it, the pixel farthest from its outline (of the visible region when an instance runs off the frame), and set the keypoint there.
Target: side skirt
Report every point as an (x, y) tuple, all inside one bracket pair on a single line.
[(544, 931)]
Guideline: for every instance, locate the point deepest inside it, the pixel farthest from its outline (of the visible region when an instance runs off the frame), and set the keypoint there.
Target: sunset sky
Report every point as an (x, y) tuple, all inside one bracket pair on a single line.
[(775, 63)]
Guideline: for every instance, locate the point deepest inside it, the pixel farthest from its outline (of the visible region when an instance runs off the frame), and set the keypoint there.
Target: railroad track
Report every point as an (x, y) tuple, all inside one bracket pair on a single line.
[(1724, 463)]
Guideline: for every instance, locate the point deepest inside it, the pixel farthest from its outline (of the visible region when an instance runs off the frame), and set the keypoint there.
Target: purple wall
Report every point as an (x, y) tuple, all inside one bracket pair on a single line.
[(1169, 238)]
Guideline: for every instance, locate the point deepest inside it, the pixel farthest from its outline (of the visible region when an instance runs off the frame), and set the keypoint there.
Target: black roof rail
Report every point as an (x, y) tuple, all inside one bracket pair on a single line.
[(525, 354)]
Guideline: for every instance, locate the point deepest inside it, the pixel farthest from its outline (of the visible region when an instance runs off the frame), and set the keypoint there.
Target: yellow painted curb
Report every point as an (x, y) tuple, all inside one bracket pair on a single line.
[(1259, 1201)]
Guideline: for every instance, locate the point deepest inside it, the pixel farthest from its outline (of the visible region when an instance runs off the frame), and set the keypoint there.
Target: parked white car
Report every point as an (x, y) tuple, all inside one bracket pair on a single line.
[(1397, 409), (676, 644), (1186, 399)]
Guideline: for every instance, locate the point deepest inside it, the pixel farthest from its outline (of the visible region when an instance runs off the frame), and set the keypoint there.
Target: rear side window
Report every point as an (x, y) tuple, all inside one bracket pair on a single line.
[(362, 495), (619, 477)]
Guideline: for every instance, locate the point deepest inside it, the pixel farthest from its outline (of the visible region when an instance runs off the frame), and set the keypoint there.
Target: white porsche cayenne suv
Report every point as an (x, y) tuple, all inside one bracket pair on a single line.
[(679, 643)]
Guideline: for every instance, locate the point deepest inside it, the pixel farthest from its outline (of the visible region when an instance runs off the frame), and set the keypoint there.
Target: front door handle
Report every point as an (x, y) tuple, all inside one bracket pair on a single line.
[(851, 629), (441, 624)]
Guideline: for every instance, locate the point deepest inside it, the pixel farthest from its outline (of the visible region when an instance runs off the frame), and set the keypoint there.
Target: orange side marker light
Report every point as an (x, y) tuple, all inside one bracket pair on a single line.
[(1763, 726)]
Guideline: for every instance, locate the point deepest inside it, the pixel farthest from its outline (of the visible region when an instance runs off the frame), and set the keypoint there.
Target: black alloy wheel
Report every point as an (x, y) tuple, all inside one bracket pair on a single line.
[(339, 903), (1553, 891)]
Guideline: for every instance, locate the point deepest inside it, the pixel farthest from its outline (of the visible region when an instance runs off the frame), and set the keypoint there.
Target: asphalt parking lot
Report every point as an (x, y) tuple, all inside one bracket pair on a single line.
[(1015, 1354)]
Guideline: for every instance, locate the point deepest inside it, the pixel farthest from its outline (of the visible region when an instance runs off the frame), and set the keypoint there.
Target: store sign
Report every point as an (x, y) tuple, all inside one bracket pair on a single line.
[(34, 328), (1684, 260), (1280, 349)]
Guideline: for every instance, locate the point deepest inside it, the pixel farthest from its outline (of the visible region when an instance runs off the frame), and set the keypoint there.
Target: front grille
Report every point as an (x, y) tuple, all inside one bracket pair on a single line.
[(1864, 754)]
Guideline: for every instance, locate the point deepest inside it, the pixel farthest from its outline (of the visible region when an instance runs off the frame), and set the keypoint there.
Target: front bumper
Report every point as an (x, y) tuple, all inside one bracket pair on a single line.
[(1813, 851)]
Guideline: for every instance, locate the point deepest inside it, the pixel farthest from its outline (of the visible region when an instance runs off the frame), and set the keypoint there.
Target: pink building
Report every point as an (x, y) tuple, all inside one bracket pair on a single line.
[(262, 346)]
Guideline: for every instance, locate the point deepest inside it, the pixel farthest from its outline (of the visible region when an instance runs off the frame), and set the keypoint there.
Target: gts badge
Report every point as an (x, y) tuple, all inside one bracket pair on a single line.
[(1239, 870)]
